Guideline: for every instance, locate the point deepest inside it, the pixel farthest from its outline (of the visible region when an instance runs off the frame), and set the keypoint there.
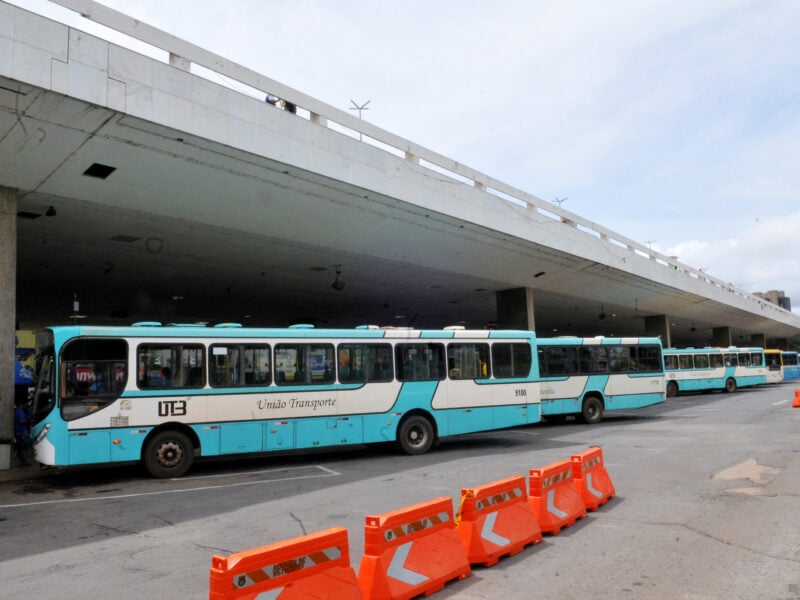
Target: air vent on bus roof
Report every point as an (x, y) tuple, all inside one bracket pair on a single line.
[(367, 327), (233, 325), (455, 328), (147, 324), (301, 326)]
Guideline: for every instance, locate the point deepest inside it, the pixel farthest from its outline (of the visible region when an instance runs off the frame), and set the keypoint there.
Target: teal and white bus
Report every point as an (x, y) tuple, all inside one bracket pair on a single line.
[(584, 377), (709, 369), (782, 365), (164, 395), (774, 360)]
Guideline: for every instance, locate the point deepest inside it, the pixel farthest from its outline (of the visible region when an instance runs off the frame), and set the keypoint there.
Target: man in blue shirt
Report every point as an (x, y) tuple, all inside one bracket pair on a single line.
[(22, 436)]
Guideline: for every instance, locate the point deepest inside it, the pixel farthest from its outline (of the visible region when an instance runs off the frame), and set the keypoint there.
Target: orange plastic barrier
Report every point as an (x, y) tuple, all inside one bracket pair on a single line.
[(311, 566), (496, 520), (553, 497), (411, 551), (591, 478), (796, 401)]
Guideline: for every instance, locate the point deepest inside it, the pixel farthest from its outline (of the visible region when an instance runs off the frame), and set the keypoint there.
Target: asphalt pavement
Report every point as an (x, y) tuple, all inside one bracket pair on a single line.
[(707, 507)]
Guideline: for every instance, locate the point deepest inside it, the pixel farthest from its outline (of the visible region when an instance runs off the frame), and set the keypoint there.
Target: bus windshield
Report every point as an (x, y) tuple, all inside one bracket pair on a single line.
[(92, 375)]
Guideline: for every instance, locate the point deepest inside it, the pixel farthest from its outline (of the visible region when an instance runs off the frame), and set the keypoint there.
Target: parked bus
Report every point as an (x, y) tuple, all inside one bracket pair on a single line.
[(782, 365), (165, 394), (790, 364), (709, 369), (774, 362), (584, 377)]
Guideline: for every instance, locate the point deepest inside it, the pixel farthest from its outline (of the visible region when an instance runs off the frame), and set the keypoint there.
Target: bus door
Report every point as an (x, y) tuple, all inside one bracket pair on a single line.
[(469, 403)]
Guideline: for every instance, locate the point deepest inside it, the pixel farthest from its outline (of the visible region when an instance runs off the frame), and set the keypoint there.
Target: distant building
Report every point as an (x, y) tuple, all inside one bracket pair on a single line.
[(776, 297)]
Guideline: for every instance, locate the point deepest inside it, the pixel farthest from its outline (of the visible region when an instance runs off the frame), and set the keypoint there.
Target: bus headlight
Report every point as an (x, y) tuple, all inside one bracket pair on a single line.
[(42, 433)]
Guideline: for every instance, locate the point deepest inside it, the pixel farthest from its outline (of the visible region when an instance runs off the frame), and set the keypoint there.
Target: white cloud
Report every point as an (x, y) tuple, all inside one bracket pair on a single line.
[(758, 258)]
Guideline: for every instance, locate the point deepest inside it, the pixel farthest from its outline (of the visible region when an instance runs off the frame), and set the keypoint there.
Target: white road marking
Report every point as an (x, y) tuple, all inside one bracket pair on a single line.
[(324, 473)]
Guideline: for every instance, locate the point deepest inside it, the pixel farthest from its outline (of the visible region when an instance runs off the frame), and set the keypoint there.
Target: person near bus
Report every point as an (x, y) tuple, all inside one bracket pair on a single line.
[(164, 377), (22, 436), (98, 385)]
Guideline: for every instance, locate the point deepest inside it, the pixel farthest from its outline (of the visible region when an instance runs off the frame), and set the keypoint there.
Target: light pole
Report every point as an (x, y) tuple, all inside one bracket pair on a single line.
[(359, 109)]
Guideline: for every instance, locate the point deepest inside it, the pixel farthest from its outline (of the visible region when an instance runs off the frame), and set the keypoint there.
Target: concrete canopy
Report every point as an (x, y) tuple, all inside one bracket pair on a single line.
[(178, 200)]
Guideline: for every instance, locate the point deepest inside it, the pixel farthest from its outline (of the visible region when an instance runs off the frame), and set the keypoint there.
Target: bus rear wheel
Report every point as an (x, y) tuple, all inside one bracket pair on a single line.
[(592, 411), (168, 454), (672, 389), (730, 385), (415, 435)]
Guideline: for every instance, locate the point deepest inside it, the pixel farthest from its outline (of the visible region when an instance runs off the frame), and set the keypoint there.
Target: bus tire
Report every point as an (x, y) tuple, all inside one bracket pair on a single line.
[(730, 385), (415, 435), (168, 454), (672, 389), (592, 411)]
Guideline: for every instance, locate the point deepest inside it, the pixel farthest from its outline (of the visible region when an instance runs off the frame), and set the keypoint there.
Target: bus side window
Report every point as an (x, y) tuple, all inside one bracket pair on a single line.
[(237, 365), (619, 359), (467, 361), (511, 360), (559, 361), (305, 364), (285, 363), (168, 365), (420, 362)]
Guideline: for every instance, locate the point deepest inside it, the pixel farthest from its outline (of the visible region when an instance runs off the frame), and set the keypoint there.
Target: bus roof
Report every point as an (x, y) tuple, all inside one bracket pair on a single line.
[(153, 329)]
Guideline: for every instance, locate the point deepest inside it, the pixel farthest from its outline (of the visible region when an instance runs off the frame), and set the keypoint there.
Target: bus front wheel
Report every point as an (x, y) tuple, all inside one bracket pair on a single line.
[(168, 454), (730, 385), (415, 435), (592, 410), (672, 389)]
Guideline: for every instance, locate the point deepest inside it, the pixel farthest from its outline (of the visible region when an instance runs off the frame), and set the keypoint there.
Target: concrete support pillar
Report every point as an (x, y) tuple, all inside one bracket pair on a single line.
[(8, 316), (758, 340), (515, 309), (780, 344), (722, 336), (658, 326)]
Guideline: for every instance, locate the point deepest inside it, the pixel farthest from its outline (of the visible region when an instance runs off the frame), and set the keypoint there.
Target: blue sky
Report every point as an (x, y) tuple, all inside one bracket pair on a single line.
[(674, 123)]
